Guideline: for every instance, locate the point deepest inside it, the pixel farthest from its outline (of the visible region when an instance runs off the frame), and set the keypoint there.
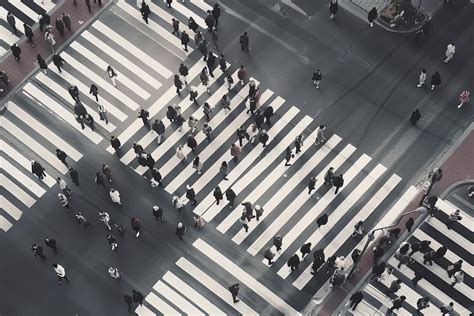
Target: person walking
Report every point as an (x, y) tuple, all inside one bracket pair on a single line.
[(191, 195), (60, 272), (225, 103), (42, 64), (51, 243), (277, 242), (112, 75), (372, 16), (67, 21), (159, 128), (358, 229), (298, 143), (115, 196), (104, 217), (242, 74), (74, 93), (180, 231), (50, 39), (355, 299), (128, 300), (137, 297), (409, 224), (156, 178), (94, 90), (450, 51), (263, 137), (112, 241), (12, 22), (99, 179), (234, 290), (333, 7), (288, 156), (252, 132), (184, 72), (16, 50), (415, 116), (64, 188), (192, 24), (322, 220), (74, 175), (58, 61), (88, 4), (422, 78), (458, 277), (235, 151), (268, 113), (312, 184), (435, 80), (397, 303), (429, 257), (241, 134), (175, 24), (38, 252), (144, 115), (230, 196), (158, 213), (305, 249), (64, 201), (338, 182), (318, 261), (178, 84), (207, 129), (185, 40), (244, 221), (218, 195), (197, 164), (191, 143), (216, 13), (447, 308), (222, 64), (60, 25), (211, 63), (317, 77), (269, 255), (244, 42), (135, 223), (394, 287), (293, 262), (441, 252), (180, 153), (37, 169), (422, 303), (210, 21), (177, 203), (145, 11), (463, 98), (102, 113), (453, 268), (320, 135), (453, 218)]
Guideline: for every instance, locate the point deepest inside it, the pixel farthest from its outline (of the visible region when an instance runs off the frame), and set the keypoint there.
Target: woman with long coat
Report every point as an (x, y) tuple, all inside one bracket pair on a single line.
[(333, 6), (218, 194), (42, 64)]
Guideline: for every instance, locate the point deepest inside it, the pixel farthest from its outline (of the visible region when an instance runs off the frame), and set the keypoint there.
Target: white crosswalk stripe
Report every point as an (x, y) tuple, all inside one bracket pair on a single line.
[(435, 283)]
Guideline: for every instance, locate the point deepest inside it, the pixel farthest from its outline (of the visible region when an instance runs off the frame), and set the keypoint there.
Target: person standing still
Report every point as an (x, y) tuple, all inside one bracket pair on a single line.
[(317, 77)]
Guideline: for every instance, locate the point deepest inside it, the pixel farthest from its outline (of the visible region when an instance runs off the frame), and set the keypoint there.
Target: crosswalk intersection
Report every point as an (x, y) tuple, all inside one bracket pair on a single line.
[(146, 63), (24, 11), (435, 283)]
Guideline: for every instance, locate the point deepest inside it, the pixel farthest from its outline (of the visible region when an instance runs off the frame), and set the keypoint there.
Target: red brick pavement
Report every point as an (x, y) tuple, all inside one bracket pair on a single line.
[(80, 16), (457, 167)]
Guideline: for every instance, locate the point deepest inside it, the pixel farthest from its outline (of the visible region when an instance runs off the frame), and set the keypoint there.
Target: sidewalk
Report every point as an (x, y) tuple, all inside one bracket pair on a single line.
[(20, 72), (457, 169)]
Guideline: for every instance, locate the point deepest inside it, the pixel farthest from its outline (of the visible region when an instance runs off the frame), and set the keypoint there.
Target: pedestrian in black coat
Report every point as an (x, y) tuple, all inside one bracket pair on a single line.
[(372, 16), (74, 175), (145, 11), (171, 113), (51, 243), (318, 261), (42, 64), (293, 262), (185, 40), (355, 299), (155, 173), (263, 137), (333, 7), (158, 213), (218, 194), (278, 242), (150, 162), (115, 143), (73, 92), (38, 252), (234, 290), (16, 50), (99, 179), (222, 63), (216, 13), (441, 251), (230, 196), (258, 212), (397, 303), (409, 224), (192, 24), (322, 220), (317, 77), (58, 61), (305, 249), (62, 156), (180, 231), (29, 34), (168, 3), (415, 116), (60, 26), (378, 252), (203, 48), (210, 21), (192, 143), (137, 297), (338, 182), (128, 300), (435, 80), (178, 84), (191, 195), (11, 20), (259, 119), (67, 21), (90, 121), (312, 184), (211, 63), (144, 115), (94, 91), (37, 169), (298, 143), (268, 113), (244, 42), (288, 156)]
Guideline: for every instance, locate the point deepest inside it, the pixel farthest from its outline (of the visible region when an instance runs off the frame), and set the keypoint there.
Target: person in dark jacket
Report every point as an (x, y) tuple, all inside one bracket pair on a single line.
[(192, 24), (372, 16), (203, 48), (318, 261), (60, 26), (440, 252), (74, 92), (185, 40), (191, 195), (322, 220), (137, 297), (216, 13), (211, 63), (171, 113), (415, 116), (293, 262), (178, 84), (145, 11), (230, 196), (16, 50), (305, 249), (234, 290), (355, 299), (150, 162), (218, 194), (317, 77), (180, 231), (222, 63), (435, 80), (258, 212), (135, 223), (268, 113), (159, 128), (333, 7), (244, 42), (37, 169), (29, 34), (397, 303), (409, 224), (263, 137), (94, 91), (338, 182), (74, 175), (62, 156), (11, 20), (278, 242), (115, 143), (288, 156), (192, 143), (312, 184), (67, 21), (298, 143), (155, 173), (210, 21), (158, 213), (99, 179), (394, 287), (42, 64), (51, 243), (58, 61), (184, 71)]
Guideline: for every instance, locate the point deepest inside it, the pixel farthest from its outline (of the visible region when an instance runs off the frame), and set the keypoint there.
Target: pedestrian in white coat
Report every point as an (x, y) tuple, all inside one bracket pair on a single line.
[(422, 78), (450, 50), (115, 196)]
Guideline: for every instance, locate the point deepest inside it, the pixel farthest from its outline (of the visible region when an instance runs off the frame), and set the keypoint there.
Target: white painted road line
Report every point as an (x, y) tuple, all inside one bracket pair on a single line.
[(10, 208), (16, 174), (176, 299), (16, 191)]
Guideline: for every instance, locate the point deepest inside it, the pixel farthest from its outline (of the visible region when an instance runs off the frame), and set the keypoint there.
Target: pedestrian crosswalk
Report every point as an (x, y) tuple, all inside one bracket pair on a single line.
[(192, 287), (41, 117), (24, 11), (435, 282)]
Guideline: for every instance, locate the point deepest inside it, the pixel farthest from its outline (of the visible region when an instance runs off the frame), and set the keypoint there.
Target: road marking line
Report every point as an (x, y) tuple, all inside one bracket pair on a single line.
[(16, 191)]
